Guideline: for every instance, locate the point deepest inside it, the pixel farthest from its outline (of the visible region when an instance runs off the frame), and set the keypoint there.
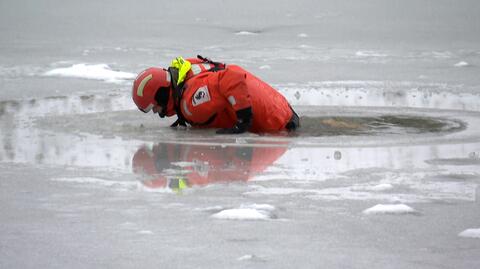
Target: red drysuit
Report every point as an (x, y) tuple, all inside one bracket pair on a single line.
[(212, 99), (201, 165)]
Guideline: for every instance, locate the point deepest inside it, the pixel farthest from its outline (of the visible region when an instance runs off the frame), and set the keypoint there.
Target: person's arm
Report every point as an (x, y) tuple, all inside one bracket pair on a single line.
[(233, 85)]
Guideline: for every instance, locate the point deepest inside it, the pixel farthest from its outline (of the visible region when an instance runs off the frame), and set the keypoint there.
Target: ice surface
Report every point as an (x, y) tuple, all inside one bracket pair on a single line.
[(390, 116), (470, 233), (394, 209)]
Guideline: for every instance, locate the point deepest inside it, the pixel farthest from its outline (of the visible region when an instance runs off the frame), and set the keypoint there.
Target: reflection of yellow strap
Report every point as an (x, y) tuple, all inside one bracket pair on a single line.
[(181, 184), (183, 67)]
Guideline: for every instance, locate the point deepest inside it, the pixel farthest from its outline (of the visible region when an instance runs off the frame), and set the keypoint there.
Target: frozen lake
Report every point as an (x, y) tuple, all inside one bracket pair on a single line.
[(384, 172)]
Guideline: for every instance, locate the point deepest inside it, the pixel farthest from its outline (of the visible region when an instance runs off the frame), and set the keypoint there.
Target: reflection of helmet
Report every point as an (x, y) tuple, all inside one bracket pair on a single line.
[(150, 88), (143, 162)]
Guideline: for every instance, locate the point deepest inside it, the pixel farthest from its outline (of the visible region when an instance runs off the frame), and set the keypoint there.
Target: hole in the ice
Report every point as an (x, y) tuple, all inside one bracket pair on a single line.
[(381, 125)]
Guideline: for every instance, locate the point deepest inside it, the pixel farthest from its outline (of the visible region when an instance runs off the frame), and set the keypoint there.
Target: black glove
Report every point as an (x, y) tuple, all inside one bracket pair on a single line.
[(244, 121)]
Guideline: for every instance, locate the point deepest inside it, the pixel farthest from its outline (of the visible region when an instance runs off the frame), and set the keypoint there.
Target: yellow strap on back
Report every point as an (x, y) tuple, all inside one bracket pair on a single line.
[(183, 67)]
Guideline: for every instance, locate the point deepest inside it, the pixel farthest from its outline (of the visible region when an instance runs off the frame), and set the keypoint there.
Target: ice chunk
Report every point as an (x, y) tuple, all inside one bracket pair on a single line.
[(246, 257), (242, 214), (251, 257), (369, 53), (92, 71), (245, 33), (146, 232), (461, 64), (247, 212), (396, 209), (381, 187), (265, 207), (470, 233)]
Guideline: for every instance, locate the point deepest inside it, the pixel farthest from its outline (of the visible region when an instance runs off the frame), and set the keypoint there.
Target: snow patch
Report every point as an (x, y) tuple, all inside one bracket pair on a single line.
[(92, 71), (265, 67), (302, 35), (470, 233), (242, 214), (246, 33), (375, 188), (247, 212), (246, 257), (303, 46), (146, 232), (461, 64), (251, 257), (369, 53), (396, 209)]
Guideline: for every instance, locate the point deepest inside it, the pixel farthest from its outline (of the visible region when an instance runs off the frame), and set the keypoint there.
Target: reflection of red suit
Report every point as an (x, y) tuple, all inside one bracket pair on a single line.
[(211, 99), (205, 164)]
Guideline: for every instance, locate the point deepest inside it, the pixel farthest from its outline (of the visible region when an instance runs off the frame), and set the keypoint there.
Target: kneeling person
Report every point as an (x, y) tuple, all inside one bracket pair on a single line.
[(208, 94)]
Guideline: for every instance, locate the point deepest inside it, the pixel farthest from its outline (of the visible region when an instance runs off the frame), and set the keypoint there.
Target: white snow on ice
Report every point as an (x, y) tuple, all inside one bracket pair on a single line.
[(245, 257), (91, 71), (396, 209), (251, 257), (368, 53), (470, 233), (247, 212), (461, 64), (376, 188), (246, 33), (145, 232)]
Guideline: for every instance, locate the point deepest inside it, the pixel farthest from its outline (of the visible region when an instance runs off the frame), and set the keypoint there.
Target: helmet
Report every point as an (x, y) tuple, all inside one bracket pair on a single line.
[(150, 88)]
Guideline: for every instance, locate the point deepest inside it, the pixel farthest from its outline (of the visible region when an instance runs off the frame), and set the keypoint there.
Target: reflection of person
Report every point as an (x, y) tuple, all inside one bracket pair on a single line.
[(209, 94), (177, 166)]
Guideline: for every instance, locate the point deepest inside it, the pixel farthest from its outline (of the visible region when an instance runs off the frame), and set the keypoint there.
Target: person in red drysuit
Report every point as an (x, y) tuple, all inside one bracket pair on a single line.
[(209, 94), (178, 166)]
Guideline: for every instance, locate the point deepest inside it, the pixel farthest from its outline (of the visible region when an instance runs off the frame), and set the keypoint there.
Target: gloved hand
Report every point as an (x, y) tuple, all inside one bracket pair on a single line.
[(244, 121)]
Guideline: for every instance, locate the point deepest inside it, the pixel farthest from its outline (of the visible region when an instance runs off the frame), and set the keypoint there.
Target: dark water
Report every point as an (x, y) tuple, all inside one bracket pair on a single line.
[(376, 126)]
